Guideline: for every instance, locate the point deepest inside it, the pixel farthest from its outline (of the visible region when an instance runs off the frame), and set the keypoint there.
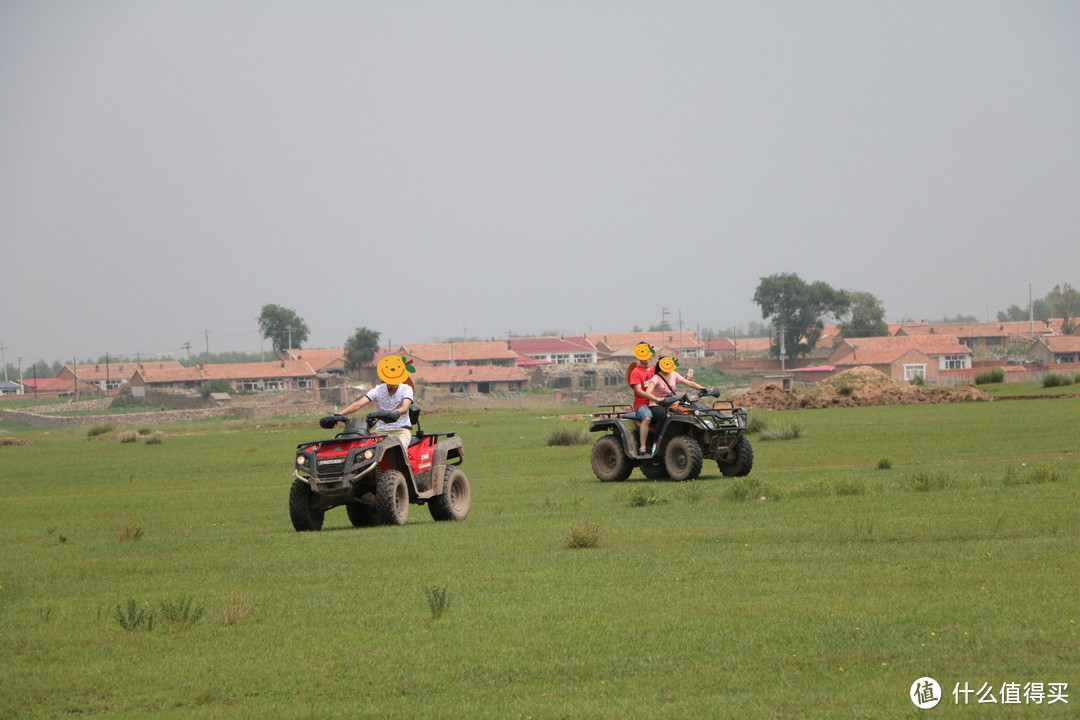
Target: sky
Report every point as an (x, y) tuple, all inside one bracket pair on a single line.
[(437, 169)]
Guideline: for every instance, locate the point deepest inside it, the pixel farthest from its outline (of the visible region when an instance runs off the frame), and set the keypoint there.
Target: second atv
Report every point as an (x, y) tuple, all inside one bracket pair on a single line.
[(375, 478), (692, 432)]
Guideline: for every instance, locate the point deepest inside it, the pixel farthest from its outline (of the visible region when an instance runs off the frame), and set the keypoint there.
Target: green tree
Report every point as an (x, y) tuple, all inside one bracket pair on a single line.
[(282, 327), (798, 310), (360, 348), (865, 318), (1066, 302)]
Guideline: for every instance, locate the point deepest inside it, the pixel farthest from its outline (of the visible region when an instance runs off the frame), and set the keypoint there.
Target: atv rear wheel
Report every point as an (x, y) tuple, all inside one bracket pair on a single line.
[(362, 514), (453, 503), (392, 498), (300, 512), (738, 461), (683, 458), (609, 462)]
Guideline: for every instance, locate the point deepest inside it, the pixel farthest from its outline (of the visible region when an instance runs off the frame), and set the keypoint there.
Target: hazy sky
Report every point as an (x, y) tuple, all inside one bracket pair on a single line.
[(427, 168)]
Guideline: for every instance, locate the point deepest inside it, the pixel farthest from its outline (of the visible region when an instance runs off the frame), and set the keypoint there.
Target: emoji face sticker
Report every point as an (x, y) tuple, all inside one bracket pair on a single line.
[(643, 351), (394, 369), (667, 364)]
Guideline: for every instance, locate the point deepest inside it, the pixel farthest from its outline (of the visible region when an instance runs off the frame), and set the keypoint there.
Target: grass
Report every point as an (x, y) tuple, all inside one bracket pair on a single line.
[(827, 599)]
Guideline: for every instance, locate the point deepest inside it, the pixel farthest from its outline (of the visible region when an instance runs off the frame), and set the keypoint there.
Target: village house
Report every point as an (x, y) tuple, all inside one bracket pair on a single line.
[(554, 350), (620, 346), (275, 375), (940, 354), (985, 339), (471, 379), (456, 354), (1055, 350)]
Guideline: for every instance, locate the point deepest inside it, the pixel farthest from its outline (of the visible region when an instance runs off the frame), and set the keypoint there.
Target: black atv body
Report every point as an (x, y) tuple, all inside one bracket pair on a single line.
[(693, 432)]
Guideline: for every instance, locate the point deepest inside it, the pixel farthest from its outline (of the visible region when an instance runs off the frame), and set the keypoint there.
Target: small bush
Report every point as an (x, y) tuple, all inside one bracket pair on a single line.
[(128, 436), (182, 612), (993, 375), (133, 616), (845, 390), (756, 424), (1036, 475), (817, 487), (438, 599), (100, 429), (586, 535), (1051, 380), (850, 487), (644, 495), (568, 436), (749, 488), (238, 610), (784, 432), (155, 438), (128, 532), (927, 482), (884, 464)]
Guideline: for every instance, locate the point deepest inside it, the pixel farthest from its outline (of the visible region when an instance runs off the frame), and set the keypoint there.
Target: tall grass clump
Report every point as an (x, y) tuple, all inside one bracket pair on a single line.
[(785, 432), (438, 599), (992, 375), (585, 536), (238, 609), (128, 532), (1051, 380), (100, 429), (756, 424), (182, 612), (568, 436), (644, 495), (750, 488), (1037, 474), (929, 481), (134, 616)]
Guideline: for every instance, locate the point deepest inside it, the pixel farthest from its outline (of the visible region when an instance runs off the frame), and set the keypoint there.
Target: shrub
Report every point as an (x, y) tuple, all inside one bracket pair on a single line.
[(884, 464), (850, 487), (1056, 380), (438, 599), (238, 609), (749, 488), (155, 438), (756, 424), (568, 436), (133, 616), (586, 535), (784, 432), (644, 495), (926, 482), (126, 532), (993, 375), (182, 612), (128, 436), (101, 429), (845, 390)]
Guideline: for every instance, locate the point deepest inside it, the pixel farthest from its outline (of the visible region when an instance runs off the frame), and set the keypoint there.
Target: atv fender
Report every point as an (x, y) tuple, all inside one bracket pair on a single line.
[(616, 426), (449, 451)]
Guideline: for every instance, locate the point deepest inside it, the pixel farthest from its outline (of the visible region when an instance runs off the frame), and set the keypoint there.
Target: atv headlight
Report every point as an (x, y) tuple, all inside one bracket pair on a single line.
[(301, 460), (368, 454)]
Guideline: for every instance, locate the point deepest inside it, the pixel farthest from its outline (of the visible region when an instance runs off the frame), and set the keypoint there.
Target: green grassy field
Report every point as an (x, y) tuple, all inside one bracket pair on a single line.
[(892, 543)]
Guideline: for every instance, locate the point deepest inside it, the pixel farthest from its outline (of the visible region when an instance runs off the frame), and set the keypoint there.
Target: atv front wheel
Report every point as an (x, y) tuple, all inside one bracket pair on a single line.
[(609, 462), (453, 503), (738, 461), (683, 458), (392, 498), (300, 512)]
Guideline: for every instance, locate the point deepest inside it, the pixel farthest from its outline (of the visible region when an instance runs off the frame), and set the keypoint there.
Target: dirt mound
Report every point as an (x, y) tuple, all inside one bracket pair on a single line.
[(858, 386)]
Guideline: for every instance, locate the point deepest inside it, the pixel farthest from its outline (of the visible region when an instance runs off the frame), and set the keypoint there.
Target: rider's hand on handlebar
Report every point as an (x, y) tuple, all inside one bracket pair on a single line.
[(668, 401)]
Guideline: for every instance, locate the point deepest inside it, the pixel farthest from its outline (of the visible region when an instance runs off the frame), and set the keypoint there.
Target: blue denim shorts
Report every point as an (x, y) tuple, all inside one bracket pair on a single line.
[(643, 413)]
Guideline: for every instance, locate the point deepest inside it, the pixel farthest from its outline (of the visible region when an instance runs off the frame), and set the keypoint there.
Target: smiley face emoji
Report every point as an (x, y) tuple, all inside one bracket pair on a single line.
[(643, 351), (667, 364), (394, 369)]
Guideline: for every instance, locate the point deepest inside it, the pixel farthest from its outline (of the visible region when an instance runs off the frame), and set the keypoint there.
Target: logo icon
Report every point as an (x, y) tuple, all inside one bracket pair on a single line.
[(394, 369), (667, 364), (925, 693)]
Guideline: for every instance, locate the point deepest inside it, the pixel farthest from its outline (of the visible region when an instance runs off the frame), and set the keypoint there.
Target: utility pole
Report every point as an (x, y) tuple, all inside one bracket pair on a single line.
[(783, 350), (681, 356), (206, 335), (22, 388), (3, 353), (1031, 311), (664, 312)]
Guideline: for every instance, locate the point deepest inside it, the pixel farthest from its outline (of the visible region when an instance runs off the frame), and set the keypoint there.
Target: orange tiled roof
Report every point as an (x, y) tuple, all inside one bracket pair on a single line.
[(459, 352), (623, 343), (243, 371), (475, 373), (929, 344)]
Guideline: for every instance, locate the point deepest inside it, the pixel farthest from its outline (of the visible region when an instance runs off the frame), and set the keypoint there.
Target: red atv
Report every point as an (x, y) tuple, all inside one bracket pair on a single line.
[(374, 478)]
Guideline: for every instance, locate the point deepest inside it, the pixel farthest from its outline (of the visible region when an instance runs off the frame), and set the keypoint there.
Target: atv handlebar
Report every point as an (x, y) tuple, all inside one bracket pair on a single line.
[(330, 421)]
